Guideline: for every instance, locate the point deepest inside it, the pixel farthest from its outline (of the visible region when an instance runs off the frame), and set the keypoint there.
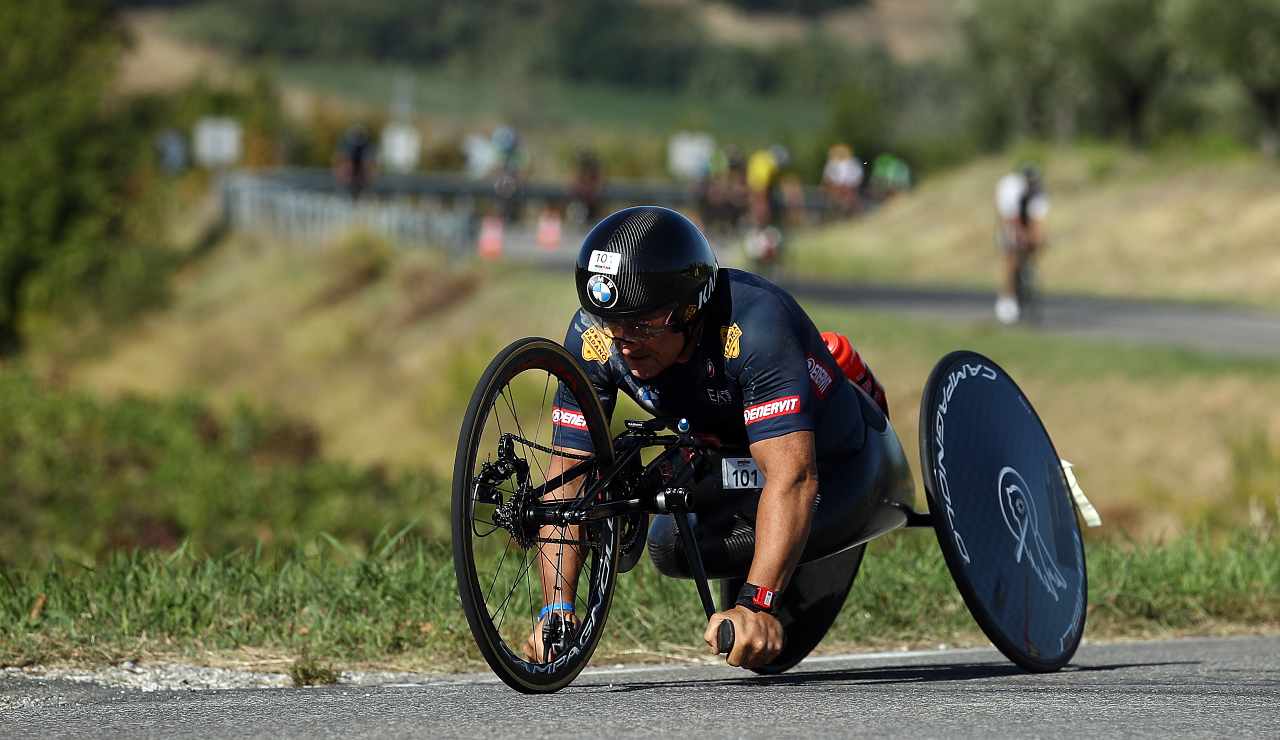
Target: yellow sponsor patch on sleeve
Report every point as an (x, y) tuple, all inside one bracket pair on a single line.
[(730, 339), (595, 345)]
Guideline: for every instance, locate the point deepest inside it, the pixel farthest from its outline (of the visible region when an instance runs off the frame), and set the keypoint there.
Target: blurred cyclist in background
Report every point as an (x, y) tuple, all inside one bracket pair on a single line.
[(1021, 207), (354, 162), (722, 192), (509, 172), (841, 178), (765, 169), (586, 190), (890, 175)]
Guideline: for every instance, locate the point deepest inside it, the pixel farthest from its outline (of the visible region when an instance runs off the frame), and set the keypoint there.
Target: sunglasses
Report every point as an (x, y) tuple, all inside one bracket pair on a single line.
[(651, 327)]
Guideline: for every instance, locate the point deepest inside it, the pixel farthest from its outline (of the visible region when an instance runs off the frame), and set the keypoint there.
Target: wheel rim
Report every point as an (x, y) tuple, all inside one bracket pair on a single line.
[(505, 557)]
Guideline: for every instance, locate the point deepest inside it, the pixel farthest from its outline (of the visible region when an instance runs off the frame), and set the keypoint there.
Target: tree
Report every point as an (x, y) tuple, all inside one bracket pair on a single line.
[(1242, 39), (1124, 49), (1014, 54), (64, 168), (622, 42), (800, 7)]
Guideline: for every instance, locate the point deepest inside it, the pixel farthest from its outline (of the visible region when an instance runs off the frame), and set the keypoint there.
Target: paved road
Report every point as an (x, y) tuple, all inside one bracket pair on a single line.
[(1202, 688), (1216, 328), (1207, 327)]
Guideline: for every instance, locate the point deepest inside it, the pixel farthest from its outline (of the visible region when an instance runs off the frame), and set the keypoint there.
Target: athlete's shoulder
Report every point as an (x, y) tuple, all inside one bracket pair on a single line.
[(588, 341), (755, 298), (760, 316)]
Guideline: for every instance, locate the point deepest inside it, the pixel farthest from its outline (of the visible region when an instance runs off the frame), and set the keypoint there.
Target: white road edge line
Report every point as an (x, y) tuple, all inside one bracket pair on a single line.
[(818, 659), (669, 667), (479, 678)]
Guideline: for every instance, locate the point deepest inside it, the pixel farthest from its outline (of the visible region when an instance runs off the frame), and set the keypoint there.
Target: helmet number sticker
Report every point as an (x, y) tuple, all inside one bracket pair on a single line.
[(602, 291), (605, 262)]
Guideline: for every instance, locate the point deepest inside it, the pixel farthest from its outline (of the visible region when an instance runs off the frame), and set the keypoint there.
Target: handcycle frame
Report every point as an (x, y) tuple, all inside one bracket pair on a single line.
[(679, 501)]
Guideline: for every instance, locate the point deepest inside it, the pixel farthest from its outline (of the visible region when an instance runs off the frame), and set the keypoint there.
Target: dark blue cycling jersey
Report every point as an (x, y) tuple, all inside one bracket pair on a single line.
[(760, 370)]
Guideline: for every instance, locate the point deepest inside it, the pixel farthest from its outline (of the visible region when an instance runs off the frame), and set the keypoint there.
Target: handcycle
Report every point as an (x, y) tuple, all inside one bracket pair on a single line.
[(524, 512)]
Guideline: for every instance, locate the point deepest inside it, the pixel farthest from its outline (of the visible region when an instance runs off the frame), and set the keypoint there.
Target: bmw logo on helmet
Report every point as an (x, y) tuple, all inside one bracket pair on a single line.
[(602, 291)]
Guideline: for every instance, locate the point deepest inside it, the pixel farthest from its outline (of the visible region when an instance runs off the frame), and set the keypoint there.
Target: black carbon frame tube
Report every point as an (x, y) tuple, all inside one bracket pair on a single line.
[(685, 527)]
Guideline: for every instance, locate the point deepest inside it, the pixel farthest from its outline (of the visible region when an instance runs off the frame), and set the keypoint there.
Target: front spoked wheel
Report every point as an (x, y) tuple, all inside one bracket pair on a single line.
[(509, 562)]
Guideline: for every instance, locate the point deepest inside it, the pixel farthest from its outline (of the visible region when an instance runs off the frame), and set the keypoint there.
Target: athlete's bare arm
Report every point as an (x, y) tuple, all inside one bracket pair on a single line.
[(783, 518)]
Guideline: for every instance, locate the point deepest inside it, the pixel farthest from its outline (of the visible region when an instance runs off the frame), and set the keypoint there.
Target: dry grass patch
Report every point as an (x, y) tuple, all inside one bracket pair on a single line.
[(378, 348), (1122, 224)]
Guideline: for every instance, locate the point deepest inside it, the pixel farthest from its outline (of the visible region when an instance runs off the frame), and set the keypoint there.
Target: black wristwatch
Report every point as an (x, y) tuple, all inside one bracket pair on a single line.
[(757, 598)]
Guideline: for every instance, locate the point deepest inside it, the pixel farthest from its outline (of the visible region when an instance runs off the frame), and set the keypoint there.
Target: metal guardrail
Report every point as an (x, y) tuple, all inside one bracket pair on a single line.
[(417, 210), (305, 215), (620, 192)]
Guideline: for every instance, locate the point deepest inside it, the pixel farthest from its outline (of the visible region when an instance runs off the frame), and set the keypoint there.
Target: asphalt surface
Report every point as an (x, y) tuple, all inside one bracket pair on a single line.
[(1226, 687), (1205, 327)]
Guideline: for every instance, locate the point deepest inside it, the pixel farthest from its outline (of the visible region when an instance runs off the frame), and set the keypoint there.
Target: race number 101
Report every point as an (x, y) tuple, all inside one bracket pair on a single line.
[(740, 473)]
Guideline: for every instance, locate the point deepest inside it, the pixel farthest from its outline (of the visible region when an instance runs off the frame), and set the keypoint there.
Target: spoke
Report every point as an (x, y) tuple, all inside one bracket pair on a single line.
[(503, 606), (520, 429), (542, 410), (497, 419), (497, 572), (589, 573), (559, 574), (492, 528), (533, 616)]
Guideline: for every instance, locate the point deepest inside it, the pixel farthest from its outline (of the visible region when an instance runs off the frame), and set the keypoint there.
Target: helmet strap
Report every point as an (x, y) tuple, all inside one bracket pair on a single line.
[(691, 330)]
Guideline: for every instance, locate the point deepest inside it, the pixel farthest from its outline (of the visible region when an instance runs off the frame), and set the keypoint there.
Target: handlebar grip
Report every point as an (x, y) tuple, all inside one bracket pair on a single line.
[(724, 637)]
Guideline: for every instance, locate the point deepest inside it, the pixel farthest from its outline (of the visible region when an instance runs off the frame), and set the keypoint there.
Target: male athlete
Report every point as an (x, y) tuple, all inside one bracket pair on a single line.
[(739, 359)]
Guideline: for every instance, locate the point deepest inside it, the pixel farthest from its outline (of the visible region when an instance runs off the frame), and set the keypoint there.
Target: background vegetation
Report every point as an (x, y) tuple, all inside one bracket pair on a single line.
[(1136, 70), (388, 608), (214, 443)]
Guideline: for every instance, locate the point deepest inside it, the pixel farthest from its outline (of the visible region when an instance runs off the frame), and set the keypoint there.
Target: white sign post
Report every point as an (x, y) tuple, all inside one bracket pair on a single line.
[(401, 147), (217, 142), (688, 154)]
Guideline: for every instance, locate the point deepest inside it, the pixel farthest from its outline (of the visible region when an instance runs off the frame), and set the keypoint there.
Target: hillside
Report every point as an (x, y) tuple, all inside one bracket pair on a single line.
[(1121, 224), (378, 351), (912, 30)]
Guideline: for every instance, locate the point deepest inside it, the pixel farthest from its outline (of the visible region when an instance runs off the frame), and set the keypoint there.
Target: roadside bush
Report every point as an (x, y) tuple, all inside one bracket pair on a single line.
[(83, 477)]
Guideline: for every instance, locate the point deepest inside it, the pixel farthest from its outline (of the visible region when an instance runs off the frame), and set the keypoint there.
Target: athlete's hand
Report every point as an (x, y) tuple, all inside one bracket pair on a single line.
[(757, 636)]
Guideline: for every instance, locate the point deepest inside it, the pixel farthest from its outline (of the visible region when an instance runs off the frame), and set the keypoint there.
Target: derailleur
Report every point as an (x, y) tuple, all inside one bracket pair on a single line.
[(510, 513)]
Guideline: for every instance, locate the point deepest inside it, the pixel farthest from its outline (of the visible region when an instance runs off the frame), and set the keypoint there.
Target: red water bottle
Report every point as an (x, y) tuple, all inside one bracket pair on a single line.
[(850, 362)]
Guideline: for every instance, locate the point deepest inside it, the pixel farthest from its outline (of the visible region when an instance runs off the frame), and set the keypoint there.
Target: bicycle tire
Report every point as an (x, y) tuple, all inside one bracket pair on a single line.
[(477, 587)]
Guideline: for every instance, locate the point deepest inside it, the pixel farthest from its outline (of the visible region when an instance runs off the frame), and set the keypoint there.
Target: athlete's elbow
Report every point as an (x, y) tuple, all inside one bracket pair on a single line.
[(801, 482)]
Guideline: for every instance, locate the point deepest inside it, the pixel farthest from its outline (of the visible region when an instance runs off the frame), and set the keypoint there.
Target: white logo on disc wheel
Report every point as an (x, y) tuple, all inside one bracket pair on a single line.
[(1020, 515)]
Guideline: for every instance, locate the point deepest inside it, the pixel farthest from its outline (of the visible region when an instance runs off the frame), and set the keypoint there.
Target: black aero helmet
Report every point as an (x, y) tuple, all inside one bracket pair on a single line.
[(643, 259)]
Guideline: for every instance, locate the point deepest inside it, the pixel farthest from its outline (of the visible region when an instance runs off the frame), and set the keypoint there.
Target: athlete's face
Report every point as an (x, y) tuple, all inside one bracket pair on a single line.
[(648, 345)]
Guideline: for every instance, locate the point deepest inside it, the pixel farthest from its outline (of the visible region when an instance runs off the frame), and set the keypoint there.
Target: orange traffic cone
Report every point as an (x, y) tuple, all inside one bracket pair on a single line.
[(490, 243), (549, 230)]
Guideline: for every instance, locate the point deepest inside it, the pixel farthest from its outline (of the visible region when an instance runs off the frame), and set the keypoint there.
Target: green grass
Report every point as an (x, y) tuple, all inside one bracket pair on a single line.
[(321, 609), (547, 105), (84, 477)]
